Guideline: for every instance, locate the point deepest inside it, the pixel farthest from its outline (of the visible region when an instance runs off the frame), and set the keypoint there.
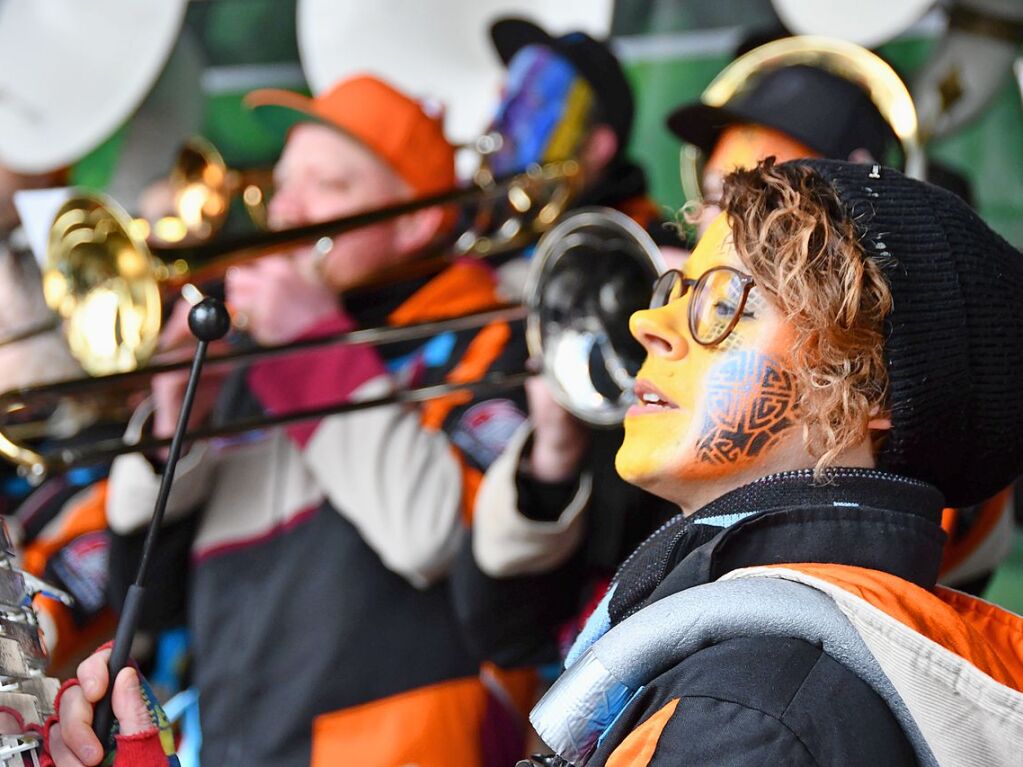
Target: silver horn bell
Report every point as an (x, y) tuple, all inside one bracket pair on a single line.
[(589, 274)]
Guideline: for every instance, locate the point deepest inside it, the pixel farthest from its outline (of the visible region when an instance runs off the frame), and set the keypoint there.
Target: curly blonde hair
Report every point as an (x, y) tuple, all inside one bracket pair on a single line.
[(798, 242)]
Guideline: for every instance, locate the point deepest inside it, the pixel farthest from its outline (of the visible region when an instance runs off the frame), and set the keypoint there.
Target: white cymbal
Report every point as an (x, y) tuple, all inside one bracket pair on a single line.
[(72, 71), (865, 22), (439, 49)]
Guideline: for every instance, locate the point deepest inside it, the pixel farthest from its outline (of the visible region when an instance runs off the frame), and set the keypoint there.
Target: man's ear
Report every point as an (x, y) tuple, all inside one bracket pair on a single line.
[(415, 230), (862, 156), (599, 149)]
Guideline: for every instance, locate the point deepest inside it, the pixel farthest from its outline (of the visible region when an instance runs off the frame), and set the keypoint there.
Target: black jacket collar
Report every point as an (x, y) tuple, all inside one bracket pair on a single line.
[(857, 517)]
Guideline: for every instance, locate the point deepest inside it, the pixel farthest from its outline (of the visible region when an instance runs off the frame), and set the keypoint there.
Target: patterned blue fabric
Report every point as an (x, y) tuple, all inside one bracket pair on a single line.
[(532, 108), (434, 353)]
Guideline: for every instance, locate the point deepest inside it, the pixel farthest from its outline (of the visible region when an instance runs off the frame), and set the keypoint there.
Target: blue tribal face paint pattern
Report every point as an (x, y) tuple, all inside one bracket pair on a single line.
[(545, 113), (750, 402)]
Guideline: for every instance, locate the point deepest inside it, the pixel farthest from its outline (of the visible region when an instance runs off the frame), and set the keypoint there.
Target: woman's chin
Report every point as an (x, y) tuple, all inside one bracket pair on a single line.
[(637, 466)]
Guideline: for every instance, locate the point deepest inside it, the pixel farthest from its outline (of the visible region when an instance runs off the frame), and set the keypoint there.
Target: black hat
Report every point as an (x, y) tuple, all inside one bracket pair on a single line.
[(954, 338), (592, 59), (828, 113)]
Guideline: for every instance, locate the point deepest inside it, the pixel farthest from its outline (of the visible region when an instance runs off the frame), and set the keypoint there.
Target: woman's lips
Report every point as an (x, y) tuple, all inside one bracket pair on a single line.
[(650, 399)]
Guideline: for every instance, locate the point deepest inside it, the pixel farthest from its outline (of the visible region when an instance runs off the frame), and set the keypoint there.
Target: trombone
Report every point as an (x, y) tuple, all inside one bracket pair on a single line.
[(107, 283), (203, 187), (587, 276)]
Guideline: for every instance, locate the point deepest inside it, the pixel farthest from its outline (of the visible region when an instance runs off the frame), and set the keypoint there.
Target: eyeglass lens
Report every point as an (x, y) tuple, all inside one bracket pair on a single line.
[(714, 306)]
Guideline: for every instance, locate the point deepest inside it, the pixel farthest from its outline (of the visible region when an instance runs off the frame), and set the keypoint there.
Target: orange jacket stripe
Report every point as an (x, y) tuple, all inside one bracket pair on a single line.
[(464, 287), (435, 726), (969, 627), (484, 349), (638, 748), (88, 515), (72, 642)]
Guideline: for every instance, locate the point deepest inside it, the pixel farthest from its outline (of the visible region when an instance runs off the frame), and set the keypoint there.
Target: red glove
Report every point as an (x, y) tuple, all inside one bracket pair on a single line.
[(68, 737)]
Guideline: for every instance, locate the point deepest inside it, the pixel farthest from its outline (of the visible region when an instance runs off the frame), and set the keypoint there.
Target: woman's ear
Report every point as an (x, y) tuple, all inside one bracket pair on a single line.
[(880, 423), (880, 420)]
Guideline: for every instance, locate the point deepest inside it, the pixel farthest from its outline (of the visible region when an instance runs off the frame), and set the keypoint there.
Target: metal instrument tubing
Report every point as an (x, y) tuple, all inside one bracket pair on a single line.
[(111, 448), (242, 245), (380, 336)]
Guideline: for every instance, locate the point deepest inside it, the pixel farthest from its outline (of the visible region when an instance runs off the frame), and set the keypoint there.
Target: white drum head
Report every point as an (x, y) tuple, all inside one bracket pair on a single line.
[(865, 22), (72, 71), (439, 49)]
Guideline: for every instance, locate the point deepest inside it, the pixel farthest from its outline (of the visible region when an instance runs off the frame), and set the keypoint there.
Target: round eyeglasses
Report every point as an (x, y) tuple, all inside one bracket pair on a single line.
[(718, 300)]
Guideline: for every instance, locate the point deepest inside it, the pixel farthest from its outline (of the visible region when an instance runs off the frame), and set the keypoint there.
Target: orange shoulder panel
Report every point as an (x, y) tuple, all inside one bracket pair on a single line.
[(73, 642), (990, 638), (991, 512), (637, 750), (87, 515), (464, 287), (483, 351)]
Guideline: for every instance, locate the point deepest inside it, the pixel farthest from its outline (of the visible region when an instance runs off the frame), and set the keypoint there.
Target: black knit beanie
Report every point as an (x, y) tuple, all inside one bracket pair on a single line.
[(954, 338)]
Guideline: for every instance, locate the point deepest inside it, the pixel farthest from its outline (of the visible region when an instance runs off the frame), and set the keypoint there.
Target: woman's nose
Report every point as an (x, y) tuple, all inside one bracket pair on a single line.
[(657, 330)]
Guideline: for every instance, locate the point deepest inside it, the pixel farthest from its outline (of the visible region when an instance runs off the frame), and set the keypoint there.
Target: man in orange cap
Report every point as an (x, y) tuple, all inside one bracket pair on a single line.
[(319, 613)]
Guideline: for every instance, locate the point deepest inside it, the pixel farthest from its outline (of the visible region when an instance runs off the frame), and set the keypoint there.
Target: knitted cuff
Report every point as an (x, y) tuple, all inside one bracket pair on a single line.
[(60, 694), (143, 749)]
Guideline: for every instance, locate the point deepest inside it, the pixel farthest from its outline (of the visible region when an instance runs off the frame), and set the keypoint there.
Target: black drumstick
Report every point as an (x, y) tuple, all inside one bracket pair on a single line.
[(209, 321)]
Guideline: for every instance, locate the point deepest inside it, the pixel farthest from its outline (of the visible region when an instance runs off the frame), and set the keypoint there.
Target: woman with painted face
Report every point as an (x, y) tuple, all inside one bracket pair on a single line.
[(839, 359)]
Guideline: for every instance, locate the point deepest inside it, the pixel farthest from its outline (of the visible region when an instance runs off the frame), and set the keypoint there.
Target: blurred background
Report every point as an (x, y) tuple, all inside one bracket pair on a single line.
[(671, 50)]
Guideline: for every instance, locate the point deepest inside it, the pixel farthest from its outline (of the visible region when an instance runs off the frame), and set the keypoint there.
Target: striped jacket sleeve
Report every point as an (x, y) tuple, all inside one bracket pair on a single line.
[(397, 482)]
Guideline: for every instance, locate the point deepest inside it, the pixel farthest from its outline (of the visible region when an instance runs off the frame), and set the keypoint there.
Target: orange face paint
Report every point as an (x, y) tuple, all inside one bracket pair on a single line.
[(724, 408), (743, 146)]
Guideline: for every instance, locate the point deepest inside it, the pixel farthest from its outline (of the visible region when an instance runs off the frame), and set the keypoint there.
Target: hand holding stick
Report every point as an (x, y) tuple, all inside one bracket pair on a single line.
[(209, 321)]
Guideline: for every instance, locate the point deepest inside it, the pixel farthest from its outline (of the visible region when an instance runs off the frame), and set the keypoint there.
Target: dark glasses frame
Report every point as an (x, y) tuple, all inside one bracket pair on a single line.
[(665, 285)]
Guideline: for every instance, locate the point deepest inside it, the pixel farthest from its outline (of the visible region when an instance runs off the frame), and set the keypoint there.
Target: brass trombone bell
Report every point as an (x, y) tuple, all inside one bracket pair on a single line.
[(588, 275), (101, 279), (203, 187), (586, 278)]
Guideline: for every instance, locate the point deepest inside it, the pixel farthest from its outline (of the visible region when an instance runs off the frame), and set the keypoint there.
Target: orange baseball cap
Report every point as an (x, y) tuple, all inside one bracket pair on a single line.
[(390, 124)]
